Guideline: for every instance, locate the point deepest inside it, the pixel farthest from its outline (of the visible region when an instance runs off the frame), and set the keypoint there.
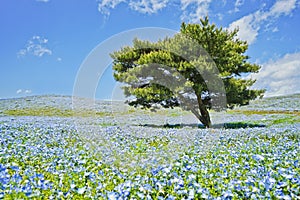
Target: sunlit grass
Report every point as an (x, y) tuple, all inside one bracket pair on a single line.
[(265, 112), (54, 112), (278, 116)]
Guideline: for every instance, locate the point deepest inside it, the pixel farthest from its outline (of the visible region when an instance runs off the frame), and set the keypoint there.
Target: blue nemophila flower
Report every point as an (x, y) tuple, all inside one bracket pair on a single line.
[(255, 189), (296, 162), (280, 195), (191, 177), (182, 192), (282, 184), (81, 190), (269, 183), (191, 194), (4, 178), (128, 184), (227, 195), (170, 197), (16, 178), (100, 172), (72, 185), (2, 168), (140, 195), (112, 195), (287, 176), (148, 187), (14, 167), (126, 193)]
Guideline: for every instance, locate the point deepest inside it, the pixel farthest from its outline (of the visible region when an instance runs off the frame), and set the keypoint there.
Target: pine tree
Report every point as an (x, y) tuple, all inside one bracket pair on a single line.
[(188, 70)]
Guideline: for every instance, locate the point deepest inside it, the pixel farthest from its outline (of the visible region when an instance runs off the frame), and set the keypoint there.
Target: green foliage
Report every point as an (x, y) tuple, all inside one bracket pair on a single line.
[(222, 56)]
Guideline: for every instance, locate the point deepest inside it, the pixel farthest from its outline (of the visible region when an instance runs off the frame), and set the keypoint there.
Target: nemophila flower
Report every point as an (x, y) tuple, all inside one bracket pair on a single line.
[(281, 195), (100, 172), (281, 184), (205, 195), (147, 197), (238, 187), (227, 195), (286, 197), (182, 192), (191, 194), (16, 178), (27, 189), (166, 170), (147, 187), (44, 185), (140, 195), (296, 180), (191, 177), (269, 183), (81, 190), (125, 193), (158, 185), (255, 189), (14, 167), (170, 197), (112, 195), (160, 198), (72, 185), (128, 184), (4, 178)]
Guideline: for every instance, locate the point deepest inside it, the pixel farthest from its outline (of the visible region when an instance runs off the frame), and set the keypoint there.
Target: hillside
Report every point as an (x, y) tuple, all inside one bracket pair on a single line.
[(264, 110)]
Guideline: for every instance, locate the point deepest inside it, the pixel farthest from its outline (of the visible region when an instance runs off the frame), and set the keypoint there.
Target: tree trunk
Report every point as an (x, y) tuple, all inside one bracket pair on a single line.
[(204, 114)]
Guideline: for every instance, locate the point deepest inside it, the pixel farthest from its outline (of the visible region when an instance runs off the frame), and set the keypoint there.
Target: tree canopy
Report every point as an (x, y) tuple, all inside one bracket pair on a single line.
[(199, 68)]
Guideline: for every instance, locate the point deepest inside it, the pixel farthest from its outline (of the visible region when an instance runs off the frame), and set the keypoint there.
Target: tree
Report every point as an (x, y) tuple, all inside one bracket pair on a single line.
[(188, 70)]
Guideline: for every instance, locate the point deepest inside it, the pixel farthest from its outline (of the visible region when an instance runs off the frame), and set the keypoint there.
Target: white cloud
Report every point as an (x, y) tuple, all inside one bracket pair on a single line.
[(104, 6), (193, 10), (250, 25), (237, 5), (248, 29), (36, 46), (280, 77), (27, 91), (283, 7), (148, 6), (142, 6), (21, 91), (275, 29)]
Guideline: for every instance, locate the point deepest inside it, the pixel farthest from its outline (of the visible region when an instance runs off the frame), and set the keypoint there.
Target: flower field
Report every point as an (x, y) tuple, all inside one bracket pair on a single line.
[(49, 151)]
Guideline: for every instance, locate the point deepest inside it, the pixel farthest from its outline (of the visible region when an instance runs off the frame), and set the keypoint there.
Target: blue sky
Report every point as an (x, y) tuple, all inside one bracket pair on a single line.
[(45, 42)]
